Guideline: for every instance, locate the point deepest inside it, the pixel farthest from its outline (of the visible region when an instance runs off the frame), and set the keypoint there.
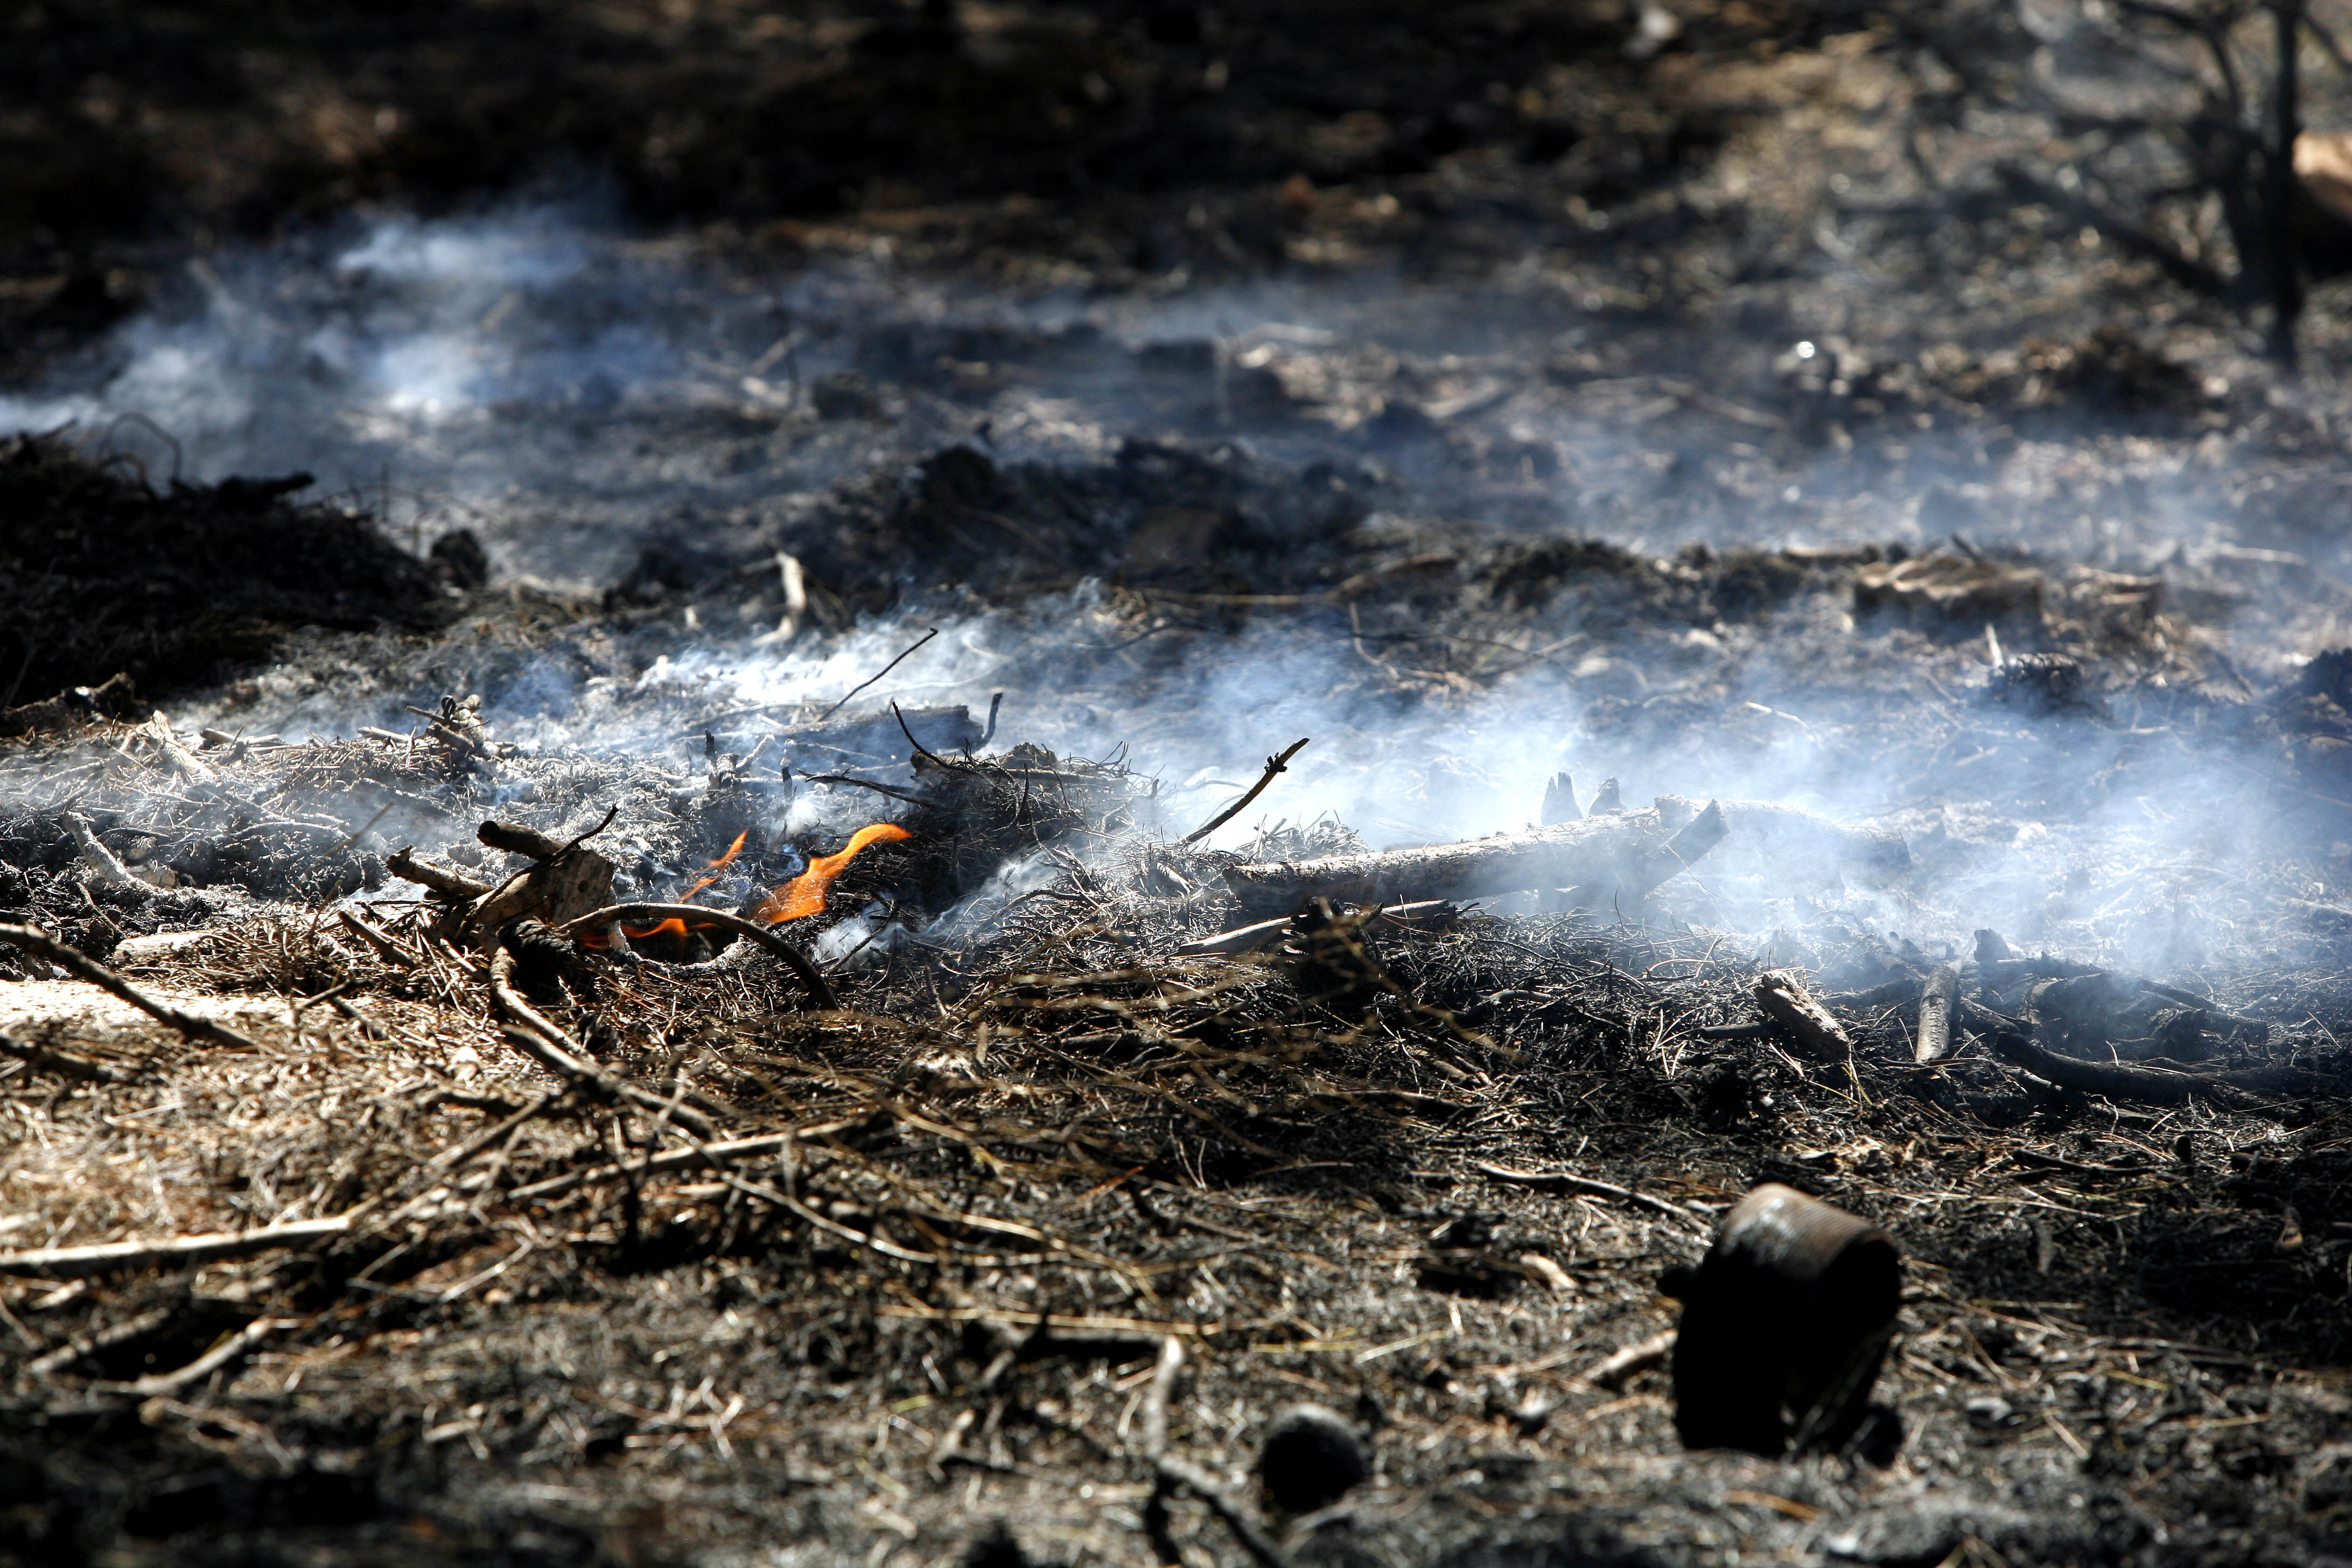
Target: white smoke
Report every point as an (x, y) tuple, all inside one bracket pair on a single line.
[(559, 388)]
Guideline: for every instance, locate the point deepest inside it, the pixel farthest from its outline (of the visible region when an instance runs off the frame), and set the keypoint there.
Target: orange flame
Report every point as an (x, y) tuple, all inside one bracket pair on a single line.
[(805, 894), (716, 866), (670, 927)]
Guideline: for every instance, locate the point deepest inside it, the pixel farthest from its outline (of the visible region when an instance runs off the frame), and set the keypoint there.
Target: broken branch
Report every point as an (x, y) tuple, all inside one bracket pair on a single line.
[(1787, 1004), (1624, 854), (811, 979), (1936, 999), (106, 1257), (543, 1041), (34, 939)]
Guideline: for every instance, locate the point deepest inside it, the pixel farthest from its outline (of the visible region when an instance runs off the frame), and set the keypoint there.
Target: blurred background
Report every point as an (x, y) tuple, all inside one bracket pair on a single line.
[(1696, 158)]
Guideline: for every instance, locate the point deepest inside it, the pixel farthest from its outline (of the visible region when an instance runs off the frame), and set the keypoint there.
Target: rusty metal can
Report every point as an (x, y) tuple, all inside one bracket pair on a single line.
[(1785, 1323)]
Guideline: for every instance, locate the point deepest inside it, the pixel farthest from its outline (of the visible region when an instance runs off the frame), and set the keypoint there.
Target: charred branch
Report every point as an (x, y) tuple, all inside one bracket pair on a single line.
[(1785, 1001), (1623, 856), (1275, 764), (820, 991), (1936, 999), (42, 944)]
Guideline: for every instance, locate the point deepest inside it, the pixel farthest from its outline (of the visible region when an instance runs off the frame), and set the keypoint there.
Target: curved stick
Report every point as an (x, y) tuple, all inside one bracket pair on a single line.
[(811, 979)]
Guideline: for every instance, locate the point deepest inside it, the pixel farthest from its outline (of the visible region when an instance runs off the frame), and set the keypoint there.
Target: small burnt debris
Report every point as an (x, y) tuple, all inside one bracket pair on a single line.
[(2040, 682)]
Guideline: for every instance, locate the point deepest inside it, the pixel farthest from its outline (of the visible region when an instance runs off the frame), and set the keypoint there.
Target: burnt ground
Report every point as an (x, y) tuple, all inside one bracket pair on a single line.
[(1048, 1142), (1506, 462)]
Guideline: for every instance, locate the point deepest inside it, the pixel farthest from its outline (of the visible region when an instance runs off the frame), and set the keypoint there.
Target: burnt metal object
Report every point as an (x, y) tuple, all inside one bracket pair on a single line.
[(1311, 1458), (1784, 1325)]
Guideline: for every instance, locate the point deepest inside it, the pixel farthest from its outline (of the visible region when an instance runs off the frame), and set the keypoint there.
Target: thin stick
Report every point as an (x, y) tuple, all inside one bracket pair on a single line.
[(391, 950), (811, 978), (362, 830), (1155, 1401), (113, 1335), (1273, 765), (1633, 1358), (32, 939), (863, 784), (1169, 1472), (920, 749), (156, 1385), (83, 1068), (454, 1159), (681, 1160), (69, 1262), (1247, 1531), (877, 674), (1566, 1183)]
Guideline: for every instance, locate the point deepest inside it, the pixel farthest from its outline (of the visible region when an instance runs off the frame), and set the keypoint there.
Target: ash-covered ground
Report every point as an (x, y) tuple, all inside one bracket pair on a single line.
[(1703, 415)]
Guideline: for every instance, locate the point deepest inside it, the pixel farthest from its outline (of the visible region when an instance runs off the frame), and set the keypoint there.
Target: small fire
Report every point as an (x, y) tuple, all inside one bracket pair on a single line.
[(675, 926), (805, 894), (717, 866), (670, 927)]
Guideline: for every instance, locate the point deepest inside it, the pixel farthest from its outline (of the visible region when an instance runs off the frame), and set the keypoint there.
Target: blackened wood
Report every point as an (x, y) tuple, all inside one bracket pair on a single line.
[(1936, 999), (1626, 855)]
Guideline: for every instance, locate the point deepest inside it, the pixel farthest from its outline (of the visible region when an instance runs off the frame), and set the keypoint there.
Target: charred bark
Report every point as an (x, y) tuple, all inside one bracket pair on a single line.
[(1623, 856)]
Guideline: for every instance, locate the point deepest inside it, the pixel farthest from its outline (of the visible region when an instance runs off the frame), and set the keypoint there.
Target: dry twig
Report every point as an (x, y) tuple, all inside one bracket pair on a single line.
[(1278, 764), (34, 939)]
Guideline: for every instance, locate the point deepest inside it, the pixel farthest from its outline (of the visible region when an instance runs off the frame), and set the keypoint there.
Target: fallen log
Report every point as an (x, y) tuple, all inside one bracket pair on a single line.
[(1769, 830), (2147, 1085), (1618, 857)]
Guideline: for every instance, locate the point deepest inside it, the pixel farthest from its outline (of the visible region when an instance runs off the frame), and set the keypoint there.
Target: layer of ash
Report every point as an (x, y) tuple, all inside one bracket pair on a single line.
[(722, 1123)]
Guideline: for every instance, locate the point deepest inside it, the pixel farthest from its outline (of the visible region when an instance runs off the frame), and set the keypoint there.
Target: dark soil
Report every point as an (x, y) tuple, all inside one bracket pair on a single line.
[(183, 589)]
